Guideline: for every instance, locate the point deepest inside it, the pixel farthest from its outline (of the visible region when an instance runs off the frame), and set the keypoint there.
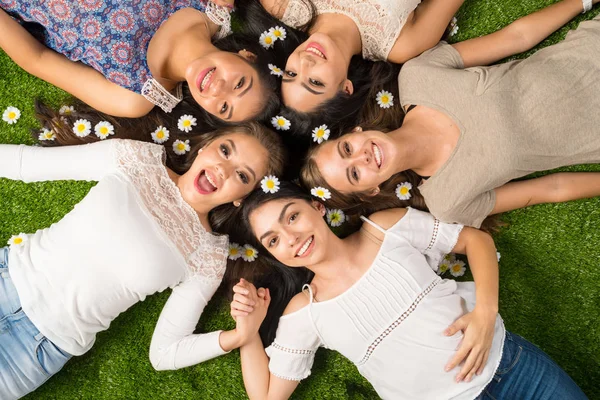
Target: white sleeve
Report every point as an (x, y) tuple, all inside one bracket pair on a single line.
[(427, 234), (292, 354), (89, 162), (174, 344)]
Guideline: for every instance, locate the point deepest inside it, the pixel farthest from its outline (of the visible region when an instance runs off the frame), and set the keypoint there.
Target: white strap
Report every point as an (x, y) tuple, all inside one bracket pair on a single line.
[(373, 224), (312, 321), (587, 5)]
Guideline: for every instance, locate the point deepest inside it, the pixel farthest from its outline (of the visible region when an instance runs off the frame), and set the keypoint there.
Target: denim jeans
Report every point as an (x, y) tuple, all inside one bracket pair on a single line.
[(526, 372), (27, 358)]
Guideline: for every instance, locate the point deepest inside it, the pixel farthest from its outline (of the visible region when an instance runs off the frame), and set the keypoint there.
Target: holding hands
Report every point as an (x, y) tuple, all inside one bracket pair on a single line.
[(249, 309)]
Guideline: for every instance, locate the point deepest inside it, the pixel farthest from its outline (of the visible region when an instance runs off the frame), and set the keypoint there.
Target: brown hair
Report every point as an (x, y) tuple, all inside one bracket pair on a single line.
[(365, 203)]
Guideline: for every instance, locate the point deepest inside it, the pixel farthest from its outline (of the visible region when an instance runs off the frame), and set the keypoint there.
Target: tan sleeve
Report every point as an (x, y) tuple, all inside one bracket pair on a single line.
[(471, 212), (442, 55)]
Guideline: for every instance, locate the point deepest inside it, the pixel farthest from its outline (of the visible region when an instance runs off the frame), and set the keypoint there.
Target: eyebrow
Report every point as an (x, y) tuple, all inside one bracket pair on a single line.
[(240, 95), (304, 85), (280, 220)]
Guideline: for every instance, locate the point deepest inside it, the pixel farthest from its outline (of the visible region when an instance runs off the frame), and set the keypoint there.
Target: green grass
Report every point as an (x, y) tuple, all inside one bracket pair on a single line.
[(548, 290)]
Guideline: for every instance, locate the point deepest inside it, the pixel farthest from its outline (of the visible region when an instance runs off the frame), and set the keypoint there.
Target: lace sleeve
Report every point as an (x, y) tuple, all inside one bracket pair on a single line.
[(205, 253), (293, 352), (431, 237)]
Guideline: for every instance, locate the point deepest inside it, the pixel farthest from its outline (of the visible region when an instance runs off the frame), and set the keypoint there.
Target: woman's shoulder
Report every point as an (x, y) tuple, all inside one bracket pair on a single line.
[(387, 218), (298, 302)]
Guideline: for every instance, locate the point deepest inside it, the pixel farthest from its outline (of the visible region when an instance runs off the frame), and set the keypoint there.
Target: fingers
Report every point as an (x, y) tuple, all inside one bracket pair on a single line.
[(240, 298), (460, 355), (237, 313), (224, 3), (458, 325), (478, 358), (236, 305), (484, 362), (261, 292), (268, 297), (240, 289)]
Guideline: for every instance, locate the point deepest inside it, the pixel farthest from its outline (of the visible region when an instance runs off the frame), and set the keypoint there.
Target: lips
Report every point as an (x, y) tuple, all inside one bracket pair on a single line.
[(306, 247), (377, 155), (205, 78), (205, 184), (316, 49)]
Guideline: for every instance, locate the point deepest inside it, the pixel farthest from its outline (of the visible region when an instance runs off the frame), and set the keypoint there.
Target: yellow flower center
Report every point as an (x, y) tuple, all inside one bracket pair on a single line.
[(280, 122), (104, 130), (18, 240), (268, 40), (403, 190), (277, 33), (180, 146), (320, 133), (187, 123), (385, 98), (233, 251), (48, 135), (81, 127), (160, 134), (276, 69), (270, 184), (335, 217), (320, 193), (249, 252), (12, 115), (456, 268)]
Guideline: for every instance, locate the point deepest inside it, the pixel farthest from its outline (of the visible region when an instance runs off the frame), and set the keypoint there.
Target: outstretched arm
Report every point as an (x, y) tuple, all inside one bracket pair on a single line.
[(478, 325), (78, 79), (553, 188), (519, 36), (429, 21)]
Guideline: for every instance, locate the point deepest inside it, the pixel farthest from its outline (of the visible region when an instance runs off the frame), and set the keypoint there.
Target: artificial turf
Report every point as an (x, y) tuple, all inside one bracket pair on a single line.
[(549, 273)]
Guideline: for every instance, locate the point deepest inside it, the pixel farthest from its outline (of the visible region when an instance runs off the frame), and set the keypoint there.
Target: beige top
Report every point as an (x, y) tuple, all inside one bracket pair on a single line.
[(379, 21), (515, 118)]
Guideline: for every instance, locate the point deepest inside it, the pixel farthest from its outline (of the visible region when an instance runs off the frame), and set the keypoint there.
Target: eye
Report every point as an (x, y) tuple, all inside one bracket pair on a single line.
[(241, 83), (272, 242), (290, 74), (354, 173), (346, 148), (244, 178), (224, 108), (224, 150), (293, 217), (315, 82)]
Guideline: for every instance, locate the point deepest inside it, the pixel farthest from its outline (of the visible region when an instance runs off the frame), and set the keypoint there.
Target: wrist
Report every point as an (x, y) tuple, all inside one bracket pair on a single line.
[(487, 310)]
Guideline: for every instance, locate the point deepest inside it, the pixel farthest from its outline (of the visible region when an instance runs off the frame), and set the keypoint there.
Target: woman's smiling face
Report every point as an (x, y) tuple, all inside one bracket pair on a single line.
[(226, 85), (225, 170), (292, 230), (357, 162)]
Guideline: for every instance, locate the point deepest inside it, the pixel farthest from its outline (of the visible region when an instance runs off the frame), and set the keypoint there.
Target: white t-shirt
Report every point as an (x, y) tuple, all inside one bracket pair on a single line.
[(131, 236)]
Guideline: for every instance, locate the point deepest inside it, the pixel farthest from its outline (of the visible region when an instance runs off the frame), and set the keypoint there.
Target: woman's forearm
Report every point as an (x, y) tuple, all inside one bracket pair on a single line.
[(481, 253), (255, 369)]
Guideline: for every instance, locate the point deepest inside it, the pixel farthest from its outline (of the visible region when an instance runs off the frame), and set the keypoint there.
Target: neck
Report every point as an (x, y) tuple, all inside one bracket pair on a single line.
[(415, 149), (340, 257), (201, 212), (342, 30)]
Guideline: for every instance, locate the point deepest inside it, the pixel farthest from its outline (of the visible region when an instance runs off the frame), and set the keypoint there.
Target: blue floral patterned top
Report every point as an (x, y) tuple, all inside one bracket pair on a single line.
[(111, 36)]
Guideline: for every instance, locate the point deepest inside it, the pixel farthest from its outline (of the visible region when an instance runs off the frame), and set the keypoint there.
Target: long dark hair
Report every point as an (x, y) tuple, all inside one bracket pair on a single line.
[(283, 282)]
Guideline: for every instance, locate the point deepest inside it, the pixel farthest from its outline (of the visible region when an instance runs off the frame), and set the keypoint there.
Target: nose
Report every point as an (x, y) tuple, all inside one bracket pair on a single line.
[(223, 170), (292, 238), (365, 156), (306, 61), (217, 87)]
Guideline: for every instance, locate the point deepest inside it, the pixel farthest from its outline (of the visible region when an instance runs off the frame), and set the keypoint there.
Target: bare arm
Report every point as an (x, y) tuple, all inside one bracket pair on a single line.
[(553, 188), (79, 80), (478, 325), (424, 30), (519, 36)]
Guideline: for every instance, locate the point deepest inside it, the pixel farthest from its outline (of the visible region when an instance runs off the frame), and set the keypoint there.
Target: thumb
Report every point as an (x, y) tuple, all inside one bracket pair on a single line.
[(261, 292), (268, 298)]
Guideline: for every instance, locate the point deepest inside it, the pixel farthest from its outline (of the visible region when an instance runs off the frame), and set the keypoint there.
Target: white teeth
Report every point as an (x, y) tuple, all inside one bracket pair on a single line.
[(206, 79), (210, 180), (377, 155), (315, 51), (305, 247)]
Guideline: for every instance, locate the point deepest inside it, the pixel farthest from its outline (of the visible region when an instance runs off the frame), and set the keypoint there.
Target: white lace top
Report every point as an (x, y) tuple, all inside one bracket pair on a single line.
[(390, 323), (379, 21), (131, 236)]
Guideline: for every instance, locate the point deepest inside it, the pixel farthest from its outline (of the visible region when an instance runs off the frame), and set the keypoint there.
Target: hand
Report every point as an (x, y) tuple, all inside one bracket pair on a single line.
[(247, 326), (478, 328), (243, 299), (224, 3)]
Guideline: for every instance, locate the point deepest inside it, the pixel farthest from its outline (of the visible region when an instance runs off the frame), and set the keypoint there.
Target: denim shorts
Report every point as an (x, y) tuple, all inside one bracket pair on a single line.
[(27, 358)]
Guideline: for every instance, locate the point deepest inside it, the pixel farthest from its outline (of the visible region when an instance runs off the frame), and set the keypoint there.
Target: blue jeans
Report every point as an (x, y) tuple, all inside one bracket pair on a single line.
[(27, 358), (526, 372)]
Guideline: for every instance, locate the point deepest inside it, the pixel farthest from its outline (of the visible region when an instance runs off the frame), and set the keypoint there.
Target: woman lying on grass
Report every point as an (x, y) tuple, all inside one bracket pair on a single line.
[(469, 132), (123, 58), (375, 298), (143, 228)]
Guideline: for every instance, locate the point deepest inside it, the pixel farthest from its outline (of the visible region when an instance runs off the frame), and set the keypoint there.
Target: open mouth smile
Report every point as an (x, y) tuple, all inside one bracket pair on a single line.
[(306, 247), (206, 183), (205, 79), (377, 155)]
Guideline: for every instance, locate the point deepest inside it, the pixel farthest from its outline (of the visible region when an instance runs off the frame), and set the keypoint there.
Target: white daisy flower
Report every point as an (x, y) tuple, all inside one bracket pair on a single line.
[(46, 134), (454, 27), (160, 135), (270, 184), (267, 39), (235, 251), (320, 134), (498, 255), (450, 257), (275, 70), (180, 147), (385, 99), (249, 253), (11, 115), (66, 110), (280, 123), (457, 268), (321, 192), (186, 122), (104, 129), (403, 190), (17, 240), (335, 217), (444, 267), (279, 32), (82, 127)]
